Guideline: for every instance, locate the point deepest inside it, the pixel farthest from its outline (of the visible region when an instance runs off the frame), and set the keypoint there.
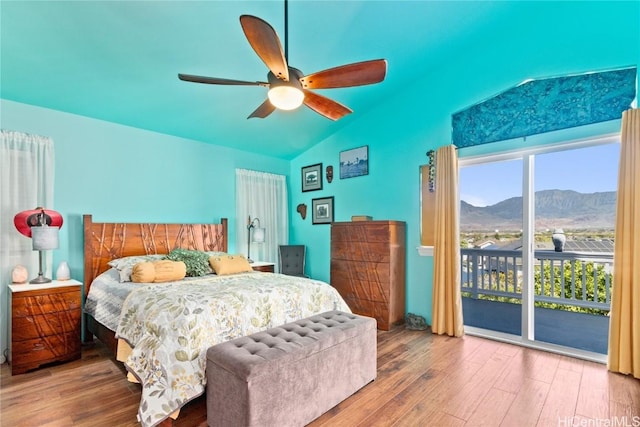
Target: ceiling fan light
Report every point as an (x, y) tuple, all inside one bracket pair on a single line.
[(285, 97)]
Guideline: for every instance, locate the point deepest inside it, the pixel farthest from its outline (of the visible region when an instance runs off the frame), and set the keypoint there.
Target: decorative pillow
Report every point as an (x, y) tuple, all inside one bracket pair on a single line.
[(214, 253), (143, 272), (197, 262), (169, 271), (158, 271), (125, 264), (229, 264)]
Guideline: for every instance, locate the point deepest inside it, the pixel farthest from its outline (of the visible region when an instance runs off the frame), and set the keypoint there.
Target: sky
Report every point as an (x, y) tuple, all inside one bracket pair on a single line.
[(586, 170)]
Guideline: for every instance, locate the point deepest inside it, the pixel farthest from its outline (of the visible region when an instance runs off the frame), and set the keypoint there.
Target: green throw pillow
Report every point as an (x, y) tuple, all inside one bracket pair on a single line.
[(197, 262)]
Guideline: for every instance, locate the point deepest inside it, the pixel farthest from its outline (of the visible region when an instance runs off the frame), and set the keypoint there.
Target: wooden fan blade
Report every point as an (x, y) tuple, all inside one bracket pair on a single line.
[(263, 110), (266, 43), (356, 74), (217, 81), (327, 107)]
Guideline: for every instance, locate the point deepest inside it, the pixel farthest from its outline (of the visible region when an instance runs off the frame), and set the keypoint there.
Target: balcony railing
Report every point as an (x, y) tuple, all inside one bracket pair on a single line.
[(570, 279)]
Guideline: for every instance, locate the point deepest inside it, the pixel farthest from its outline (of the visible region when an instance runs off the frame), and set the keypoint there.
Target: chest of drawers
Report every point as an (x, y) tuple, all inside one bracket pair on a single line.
[(368, 268), (45, 324)]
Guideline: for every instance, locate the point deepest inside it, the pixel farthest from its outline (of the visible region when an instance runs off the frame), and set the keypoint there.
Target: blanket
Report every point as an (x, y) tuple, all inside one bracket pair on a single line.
[(170, 327)]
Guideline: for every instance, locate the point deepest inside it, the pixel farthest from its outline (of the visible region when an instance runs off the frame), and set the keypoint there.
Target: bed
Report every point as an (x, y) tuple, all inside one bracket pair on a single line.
[(167, 327)]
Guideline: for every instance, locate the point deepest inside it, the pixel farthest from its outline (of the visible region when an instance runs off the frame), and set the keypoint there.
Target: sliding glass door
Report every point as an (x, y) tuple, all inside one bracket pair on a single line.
[(537, 232)]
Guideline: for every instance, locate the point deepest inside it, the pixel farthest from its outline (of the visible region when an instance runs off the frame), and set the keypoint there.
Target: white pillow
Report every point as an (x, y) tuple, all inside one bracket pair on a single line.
[(125, 265)]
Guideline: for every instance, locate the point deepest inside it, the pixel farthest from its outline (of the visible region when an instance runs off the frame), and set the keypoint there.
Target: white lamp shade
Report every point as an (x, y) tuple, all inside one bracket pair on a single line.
[(44, 238), (258, 235)]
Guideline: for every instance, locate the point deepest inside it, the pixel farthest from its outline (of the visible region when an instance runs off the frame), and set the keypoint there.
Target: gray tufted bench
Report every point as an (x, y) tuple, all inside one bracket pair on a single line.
[(292, 374)]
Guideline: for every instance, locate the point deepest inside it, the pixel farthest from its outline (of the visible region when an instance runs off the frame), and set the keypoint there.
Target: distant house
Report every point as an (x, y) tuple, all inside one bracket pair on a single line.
[(599, 245), (591, 245), (487, 244)]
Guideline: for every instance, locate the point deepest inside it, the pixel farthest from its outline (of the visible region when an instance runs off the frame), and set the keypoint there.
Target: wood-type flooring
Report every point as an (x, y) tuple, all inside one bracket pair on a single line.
[(423, 380)]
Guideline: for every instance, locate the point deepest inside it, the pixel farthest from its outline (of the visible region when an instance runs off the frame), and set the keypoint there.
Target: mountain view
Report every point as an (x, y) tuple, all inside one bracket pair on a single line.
[(565, 209)]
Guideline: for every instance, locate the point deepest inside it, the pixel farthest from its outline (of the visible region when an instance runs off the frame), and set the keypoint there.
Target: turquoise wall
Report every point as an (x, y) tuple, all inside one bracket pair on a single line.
[(123, 174), (543, 39)]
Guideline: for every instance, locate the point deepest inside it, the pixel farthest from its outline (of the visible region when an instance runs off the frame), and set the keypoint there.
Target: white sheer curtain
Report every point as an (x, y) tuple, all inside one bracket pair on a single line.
[(26, 182), (264, 196)]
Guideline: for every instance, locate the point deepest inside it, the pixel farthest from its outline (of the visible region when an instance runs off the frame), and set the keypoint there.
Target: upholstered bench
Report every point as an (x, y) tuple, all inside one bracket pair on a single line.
[(291, 374)]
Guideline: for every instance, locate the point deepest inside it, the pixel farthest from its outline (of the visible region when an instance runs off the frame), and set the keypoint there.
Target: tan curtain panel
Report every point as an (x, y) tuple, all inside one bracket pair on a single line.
[(447, 301), (624, 323)]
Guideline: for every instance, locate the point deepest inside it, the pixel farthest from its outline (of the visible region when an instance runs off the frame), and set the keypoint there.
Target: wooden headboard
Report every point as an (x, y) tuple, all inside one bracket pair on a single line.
[(104, 241)]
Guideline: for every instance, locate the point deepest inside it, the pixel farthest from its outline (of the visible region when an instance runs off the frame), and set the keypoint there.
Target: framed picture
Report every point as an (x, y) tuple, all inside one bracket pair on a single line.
[(322, 210), (312, 177), (354, 162)]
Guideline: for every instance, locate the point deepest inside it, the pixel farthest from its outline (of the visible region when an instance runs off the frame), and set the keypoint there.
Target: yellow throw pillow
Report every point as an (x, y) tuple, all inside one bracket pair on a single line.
[(158, 271), (229, 264), (143, 272), (169, 271)]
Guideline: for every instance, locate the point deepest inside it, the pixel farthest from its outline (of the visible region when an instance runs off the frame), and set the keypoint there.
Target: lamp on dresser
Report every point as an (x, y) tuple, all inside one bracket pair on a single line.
[(258, 235), (42, 225)]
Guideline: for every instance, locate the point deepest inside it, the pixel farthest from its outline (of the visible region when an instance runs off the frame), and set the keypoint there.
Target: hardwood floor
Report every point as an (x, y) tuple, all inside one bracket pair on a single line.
[(423, 379)]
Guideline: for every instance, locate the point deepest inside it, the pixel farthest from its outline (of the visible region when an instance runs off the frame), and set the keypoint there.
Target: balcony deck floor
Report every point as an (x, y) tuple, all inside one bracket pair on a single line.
[(578, 330)]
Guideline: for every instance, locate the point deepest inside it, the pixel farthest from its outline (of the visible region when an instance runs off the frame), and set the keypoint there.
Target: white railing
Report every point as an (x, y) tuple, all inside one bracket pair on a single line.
[(578, 279)]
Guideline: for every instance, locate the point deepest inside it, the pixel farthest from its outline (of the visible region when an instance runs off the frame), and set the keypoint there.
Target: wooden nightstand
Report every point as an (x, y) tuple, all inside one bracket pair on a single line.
[(45, 324), (266, 267)]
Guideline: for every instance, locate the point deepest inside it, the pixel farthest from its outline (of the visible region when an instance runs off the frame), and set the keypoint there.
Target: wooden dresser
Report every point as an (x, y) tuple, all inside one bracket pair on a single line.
[(45, 324), (368, 262)]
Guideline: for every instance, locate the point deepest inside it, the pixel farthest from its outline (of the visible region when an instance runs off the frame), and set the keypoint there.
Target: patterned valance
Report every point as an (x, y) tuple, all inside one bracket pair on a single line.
[(544, 105)]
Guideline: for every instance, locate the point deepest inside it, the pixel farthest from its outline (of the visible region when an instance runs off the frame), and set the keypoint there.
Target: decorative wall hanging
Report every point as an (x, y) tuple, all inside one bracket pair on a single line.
[(329, 174), (302, 210), (312, 177), (544, 105), (354, 162), (322, 210), (431, 154)]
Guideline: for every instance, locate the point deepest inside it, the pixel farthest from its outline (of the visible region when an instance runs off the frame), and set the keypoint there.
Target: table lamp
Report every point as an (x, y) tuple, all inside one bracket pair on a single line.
[(42, 225), (258, 235)]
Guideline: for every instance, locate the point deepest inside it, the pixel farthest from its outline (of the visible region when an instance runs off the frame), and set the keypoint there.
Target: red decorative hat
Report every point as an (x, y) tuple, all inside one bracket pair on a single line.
[(27, 219)]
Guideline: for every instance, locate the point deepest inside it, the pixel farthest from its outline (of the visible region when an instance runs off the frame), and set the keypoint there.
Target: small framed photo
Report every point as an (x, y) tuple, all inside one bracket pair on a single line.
[(354, 162), (322, 210), (312, 177)]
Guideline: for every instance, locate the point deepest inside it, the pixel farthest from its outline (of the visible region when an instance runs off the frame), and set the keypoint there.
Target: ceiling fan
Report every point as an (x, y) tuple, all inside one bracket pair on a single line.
[(288, 86)]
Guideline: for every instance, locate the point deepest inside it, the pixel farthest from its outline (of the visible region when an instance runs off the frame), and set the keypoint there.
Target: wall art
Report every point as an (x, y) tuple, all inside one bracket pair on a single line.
[(322, 210), (312, 177), (354, 162)]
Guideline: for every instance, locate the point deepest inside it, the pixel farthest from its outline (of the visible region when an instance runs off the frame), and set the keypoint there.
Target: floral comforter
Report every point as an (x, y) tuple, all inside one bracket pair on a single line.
[(170, 326)]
